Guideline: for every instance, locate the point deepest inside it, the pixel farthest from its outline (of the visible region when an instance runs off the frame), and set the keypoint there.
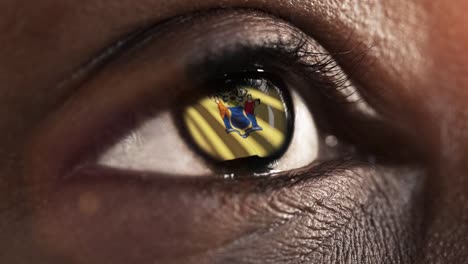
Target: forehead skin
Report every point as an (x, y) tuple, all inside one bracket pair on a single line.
[(418, 53)]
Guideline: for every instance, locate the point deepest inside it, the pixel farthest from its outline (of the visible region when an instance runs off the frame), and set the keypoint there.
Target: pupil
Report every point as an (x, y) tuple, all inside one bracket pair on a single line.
[(245, 120)]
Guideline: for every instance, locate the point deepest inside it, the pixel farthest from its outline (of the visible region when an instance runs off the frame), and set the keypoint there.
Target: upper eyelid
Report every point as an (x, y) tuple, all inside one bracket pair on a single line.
[(121, 51), (146, 35), (140, 36), (268, 32)]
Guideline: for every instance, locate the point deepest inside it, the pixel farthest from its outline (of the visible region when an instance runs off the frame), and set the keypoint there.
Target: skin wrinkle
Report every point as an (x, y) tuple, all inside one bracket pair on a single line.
[(370, 254), (320, 208), (318, 189)]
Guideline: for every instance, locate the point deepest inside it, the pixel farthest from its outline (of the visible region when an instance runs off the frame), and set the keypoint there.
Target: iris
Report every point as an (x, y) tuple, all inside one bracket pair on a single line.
[(244, 119)]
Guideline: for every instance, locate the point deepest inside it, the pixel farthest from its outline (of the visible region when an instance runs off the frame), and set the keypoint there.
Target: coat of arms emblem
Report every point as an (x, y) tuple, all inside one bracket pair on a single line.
[(237, 110)]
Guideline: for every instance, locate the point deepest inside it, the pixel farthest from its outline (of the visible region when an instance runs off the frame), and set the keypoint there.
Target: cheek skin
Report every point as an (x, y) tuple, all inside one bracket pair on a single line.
[(315, 219)]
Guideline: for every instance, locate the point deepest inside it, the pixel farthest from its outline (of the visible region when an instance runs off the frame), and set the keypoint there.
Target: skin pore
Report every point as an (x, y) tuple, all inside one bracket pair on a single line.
[(57, 74)]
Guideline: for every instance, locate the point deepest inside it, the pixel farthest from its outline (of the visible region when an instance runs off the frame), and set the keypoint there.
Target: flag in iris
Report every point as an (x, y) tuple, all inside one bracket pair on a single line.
[(245, 118)]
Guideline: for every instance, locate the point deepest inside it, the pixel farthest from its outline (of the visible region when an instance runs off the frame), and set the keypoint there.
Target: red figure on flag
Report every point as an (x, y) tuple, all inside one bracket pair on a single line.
[(249, 108)]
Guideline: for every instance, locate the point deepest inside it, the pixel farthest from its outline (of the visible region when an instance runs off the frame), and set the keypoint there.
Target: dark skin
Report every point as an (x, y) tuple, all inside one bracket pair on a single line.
[(413, 71)]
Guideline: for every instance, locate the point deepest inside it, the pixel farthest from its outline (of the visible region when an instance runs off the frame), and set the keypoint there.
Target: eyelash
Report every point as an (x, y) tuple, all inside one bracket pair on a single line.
[(324, 77)]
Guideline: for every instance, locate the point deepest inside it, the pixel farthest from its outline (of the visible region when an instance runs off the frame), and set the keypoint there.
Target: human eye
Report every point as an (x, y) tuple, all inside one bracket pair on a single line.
[(246, 124), (193, 116), (242, 116)]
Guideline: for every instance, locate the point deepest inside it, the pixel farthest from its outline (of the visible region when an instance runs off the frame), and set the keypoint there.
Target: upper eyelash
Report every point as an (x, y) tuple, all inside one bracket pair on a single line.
[(320, 68)]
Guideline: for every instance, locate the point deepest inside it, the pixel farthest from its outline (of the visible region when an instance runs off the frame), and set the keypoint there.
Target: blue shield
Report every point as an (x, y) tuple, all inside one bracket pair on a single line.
[(238, 118)]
